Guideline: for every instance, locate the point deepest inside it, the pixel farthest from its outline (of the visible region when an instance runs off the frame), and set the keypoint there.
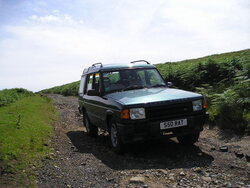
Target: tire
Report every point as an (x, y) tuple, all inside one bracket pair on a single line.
[(91, 129), (115, 138), (189, 139)]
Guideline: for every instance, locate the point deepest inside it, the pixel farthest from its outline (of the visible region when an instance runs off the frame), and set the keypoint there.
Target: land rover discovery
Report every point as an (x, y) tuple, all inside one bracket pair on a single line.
[(133, 102)]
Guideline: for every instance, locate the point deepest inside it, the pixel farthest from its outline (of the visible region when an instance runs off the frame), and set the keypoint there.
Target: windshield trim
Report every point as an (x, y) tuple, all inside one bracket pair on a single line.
[(132, 68)]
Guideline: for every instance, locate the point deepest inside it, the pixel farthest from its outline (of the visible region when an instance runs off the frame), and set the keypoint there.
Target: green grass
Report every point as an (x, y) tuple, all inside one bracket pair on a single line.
[(25, 133), (8, 96), (224, 79), (70, 89), (211, 70)]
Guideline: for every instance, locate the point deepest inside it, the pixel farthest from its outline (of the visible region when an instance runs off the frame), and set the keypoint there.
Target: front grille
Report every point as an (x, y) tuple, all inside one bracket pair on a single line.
[(169, 111)]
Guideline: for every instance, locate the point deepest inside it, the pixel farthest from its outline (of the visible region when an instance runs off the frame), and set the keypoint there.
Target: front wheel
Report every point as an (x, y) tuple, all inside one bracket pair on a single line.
[(115, 138), (91, 129), (189, 139)]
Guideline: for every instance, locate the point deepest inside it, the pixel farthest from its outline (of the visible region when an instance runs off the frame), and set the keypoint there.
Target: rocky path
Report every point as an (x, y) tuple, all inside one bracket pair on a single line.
[(80, 161)]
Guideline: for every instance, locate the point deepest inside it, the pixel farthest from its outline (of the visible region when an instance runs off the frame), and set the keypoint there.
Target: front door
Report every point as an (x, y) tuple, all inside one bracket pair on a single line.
[(94, 104)]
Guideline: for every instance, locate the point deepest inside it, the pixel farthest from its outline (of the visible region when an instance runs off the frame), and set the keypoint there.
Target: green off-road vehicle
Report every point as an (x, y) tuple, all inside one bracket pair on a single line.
[(133, 102)]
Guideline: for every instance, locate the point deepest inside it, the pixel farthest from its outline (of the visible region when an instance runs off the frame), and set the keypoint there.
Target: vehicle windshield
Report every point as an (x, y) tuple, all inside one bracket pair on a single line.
[(130, 79)]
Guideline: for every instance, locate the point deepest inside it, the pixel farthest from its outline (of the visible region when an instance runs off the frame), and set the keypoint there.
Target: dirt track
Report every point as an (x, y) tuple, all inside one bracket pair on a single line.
[(81, 161)]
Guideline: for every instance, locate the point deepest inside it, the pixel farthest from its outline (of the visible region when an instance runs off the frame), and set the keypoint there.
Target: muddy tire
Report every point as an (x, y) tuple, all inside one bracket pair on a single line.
[(115, 138), (189, 139), (91, 129)]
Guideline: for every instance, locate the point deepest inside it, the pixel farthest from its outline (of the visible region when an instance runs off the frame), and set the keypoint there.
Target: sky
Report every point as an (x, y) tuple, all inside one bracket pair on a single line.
[(49, 43)]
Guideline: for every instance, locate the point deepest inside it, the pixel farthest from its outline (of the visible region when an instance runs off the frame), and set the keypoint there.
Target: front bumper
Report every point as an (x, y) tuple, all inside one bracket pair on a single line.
[(146, 129)]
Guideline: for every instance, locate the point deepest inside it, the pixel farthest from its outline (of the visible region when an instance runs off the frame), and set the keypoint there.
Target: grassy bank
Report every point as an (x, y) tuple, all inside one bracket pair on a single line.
[(70, 89), (219, 71), (224, 79), (8, 96), (25, 132)]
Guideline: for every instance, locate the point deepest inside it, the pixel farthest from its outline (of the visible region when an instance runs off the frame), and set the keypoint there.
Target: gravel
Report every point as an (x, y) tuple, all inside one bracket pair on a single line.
[(80, 161)]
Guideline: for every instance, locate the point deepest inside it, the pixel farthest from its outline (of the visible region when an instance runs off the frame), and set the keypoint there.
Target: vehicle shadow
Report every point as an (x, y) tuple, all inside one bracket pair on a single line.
[(155, 154)]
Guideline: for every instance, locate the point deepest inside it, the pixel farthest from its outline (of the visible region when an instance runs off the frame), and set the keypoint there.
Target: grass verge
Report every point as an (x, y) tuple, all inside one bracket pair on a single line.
[(8, 96), (25, 133)]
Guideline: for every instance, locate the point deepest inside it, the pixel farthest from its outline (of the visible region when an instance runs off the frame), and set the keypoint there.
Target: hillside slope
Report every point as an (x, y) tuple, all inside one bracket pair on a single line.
[(66, 89), (173, 71), (224, 79), (211, 70)]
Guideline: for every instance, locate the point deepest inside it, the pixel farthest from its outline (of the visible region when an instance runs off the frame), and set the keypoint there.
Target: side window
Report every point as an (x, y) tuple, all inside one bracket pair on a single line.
[(90, 82), (96, 82), (82, 85)]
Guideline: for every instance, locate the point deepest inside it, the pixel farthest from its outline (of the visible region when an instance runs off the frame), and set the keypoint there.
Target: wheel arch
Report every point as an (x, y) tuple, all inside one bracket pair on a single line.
[(109, 116), (83, 110)]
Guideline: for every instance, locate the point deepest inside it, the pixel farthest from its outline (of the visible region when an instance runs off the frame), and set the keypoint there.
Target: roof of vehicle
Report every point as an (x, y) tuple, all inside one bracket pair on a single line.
[(106, 67)]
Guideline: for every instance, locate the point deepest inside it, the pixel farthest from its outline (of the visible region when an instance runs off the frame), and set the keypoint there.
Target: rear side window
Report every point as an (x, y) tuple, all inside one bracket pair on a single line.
[(82, 85), (90, 82)]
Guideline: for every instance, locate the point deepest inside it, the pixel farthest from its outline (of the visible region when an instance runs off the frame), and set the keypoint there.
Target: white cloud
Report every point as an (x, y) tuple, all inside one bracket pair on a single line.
[(55, 19)]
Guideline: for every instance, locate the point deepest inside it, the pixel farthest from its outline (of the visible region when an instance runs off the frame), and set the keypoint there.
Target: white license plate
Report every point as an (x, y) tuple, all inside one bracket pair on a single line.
[(173, 124)]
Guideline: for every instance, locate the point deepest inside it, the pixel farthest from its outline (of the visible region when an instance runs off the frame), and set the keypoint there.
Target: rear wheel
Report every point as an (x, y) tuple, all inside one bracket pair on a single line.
[(115, 138), (189, 139), (91, 129)]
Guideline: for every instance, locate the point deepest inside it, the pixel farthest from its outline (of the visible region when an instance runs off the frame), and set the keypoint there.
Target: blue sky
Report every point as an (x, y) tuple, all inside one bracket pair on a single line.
[(48, 43)]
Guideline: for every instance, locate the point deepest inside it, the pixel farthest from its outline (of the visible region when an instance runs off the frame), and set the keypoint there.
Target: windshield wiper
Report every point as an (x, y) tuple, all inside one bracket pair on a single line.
[(133, 87), (159, 85)]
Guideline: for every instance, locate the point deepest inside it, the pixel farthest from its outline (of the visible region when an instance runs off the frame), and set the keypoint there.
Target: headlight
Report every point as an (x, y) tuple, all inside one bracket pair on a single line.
[(137, 113), (197, 105)]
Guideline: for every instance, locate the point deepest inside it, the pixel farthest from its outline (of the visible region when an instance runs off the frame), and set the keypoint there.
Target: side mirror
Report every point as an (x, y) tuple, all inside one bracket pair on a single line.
[(170, 84), (93, 92)]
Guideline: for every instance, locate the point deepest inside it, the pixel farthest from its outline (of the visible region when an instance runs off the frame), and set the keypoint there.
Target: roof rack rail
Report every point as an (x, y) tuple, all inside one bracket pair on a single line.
[(85, 70), (91, 67), (94, 65), (140, 61)]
